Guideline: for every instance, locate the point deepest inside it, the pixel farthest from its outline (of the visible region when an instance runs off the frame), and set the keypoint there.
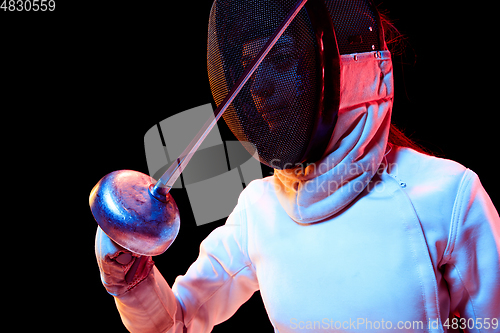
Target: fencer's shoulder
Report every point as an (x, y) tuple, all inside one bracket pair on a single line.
[(258, 186), (258, 189), (418, 168)]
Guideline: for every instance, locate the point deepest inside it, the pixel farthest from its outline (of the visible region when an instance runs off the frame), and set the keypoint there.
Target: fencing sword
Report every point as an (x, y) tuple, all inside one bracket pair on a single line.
[(141, 215), (173, 172)]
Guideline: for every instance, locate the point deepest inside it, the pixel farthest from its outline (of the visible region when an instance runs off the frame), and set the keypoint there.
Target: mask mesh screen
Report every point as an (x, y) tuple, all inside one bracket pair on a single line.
[(275, 110), (356, 25)]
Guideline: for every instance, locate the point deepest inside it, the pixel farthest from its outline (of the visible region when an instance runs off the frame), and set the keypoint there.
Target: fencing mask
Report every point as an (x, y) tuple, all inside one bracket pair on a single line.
[(288, 108)]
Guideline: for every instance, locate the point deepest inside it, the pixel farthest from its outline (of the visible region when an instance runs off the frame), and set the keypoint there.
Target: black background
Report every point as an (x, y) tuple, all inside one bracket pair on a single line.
[(86, 82)]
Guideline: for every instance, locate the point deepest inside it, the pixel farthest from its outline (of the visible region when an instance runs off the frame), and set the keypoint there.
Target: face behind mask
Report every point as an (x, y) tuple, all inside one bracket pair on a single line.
[(288, 108)]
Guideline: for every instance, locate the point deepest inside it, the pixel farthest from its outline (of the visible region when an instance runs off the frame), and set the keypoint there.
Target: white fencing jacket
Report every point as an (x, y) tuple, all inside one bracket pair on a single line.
[(416, 243)]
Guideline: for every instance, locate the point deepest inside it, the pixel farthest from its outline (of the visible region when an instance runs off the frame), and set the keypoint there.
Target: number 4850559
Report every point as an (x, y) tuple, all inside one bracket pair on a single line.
[(28, 5)]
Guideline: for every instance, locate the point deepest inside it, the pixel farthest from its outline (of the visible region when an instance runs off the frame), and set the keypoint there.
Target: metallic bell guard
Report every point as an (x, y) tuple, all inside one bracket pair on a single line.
[(134, 213)]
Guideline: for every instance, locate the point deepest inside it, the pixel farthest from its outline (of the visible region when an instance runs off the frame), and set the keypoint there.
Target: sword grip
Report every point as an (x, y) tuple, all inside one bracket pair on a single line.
[(139, 262)]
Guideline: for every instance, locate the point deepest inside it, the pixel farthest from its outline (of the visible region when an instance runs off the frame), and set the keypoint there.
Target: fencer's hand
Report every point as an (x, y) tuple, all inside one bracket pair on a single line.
[(121, 270)]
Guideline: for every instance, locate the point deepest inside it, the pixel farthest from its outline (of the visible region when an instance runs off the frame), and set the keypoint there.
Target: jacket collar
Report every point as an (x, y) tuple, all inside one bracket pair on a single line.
[(356, 149)]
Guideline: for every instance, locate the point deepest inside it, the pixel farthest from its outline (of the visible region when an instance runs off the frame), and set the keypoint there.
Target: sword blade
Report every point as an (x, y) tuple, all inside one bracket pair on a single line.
[(170, 176)]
